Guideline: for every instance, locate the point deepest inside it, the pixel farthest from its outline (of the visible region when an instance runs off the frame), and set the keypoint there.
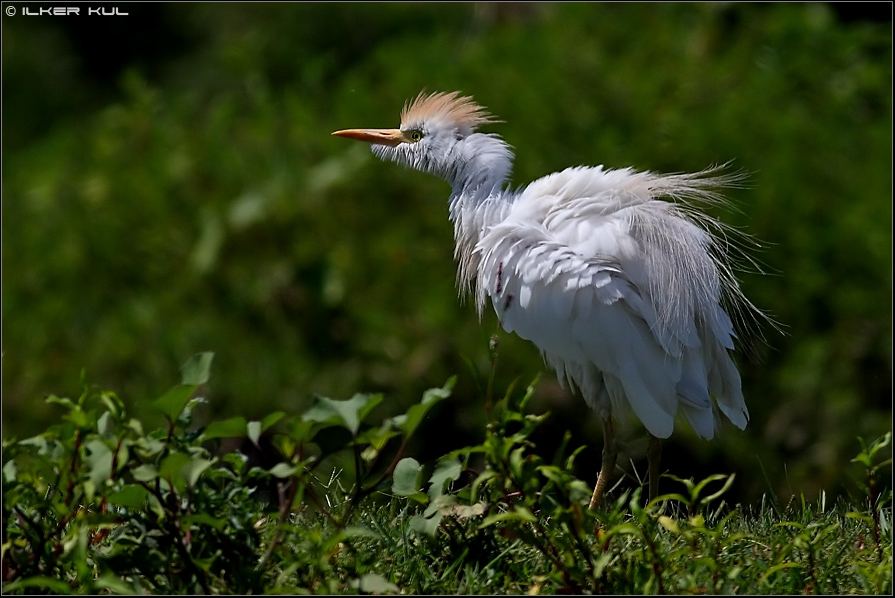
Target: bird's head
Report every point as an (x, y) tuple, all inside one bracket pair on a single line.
[(438, 135)]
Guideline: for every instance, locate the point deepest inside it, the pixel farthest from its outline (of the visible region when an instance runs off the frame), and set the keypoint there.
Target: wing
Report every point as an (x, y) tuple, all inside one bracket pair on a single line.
[(619, 292)]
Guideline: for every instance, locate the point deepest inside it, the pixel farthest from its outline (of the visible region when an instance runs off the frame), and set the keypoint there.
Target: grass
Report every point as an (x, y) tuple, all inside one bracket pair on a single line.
[(98, 505), (803, 551)]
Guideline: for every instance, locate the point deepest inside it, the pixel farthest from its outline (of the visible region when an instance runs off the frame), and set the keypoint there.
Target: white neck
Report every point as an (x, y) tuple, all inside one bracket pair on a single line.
[(477, 167)]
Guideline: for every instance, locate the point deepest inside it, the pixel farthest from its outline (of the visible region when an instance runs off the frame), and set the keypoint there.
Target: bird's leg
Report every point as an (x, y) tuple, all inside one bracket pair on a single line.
[(610, 452), (653, 456)]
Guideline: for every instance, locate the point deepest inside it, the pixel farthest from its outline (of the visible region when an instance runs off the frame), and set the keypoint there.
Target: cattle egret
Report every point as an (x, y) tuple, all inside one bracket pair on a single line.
[(614, 274)]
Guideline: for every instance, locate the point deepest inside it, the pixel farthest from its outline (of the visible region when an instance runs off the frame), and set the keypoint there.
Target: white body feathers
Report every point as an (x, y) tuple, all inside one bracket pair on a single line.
[(619, 291), (612, 274)]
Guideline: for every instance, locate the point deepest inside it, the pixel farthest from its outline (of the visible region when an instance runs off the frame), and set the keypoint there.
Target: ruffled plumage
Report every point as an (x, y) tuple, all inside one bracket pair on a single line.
[(615, 275)]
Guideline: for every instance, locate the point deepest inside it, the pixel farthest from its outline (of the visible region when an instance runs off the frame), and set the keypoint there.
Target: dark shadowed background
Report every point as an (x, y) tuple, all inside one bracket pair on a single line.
[(170, 186)]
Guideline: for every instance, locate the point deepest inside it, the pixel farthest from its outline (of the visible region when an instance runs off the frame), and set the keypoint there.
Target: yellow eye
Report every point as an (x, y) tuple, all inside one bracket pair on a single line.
[(415, 135)]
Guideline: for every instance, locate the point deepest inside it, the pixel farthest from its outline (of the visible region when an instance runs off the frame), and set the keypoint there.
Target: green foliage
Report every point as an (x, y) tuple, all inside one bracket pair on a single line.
[(196, 201), (96, 504), (531, 517)]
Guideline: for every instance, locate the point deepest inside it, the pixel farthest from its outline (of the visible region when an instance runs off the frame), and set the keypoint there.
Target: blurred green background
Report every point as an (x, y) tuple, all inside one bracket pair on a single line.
[(170, 186)]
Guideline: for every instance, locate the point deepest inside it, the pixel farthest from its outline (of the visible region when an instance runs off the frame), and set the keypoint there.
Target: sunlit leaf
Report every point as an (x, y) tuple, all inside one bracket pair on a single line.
[(197, 369), (409, 422), (194, 468), (235, 427), (253, 430), (173, 402), (425, 525), (719, 493), (518, 513), (271, 419), (9, 471), (446, 470), (669, 524), (132, 496), (347, 413), (51, 584), (145, 473), (98, 457), (373, 583), (217, 523), (406, 479), (358, 531), (115, 584), (172, 465), (283, 470)]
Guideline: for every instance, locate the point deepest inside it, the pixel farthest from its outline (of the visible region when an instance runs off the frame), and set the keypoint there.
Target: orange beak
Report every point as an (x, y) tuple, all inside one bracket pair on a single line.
[(390, 137)]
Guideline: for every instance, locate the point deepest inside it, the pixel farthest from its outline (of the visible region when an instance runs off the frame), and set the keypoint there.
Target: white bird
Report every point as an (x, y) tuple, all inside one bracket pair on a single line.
[(614, 275)]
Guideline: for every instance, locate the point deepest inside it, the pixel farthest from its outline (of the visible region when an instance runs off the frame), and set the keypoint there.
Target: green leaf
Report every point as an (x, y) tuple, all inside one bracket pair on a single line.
[(406, 479), (172, 465), (669, 524), (529, 393), (378, 437), (369, 454), (626, 529), (863, 459), (443, 504), (171, 403), (113, 403), (777, 568), (51, 584), (552, 473), (717, 494), (359, 531), (65, 402), (299, 430), (253, 429), (145, 473), (271, 419), (9, 472), (194, 468), (105, 425), (373, 583), (235, 427), (696, 490), (78, 417), (136, 426), (347, 414), (425, 525), (446, 470), (206, 563), (285, 445), (184, 418), (481, 479), (671, 497), (197, 369), (517, 460), (115, 584), (409, 422), (860, 516), (98, 457), (519, 513), (132, 496), (205, 519), (283, 470)]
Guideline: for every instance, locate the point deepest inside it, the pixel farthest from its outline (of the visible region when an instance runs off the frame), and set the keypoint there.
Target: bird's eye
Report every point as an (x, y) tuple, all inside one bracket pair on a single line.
[(415, 135)]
